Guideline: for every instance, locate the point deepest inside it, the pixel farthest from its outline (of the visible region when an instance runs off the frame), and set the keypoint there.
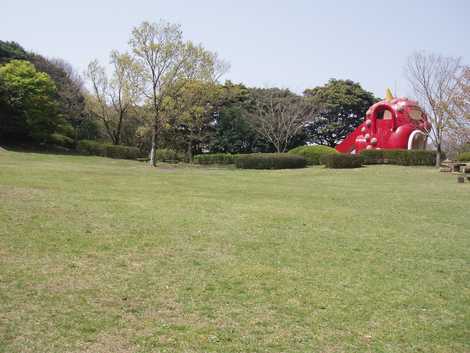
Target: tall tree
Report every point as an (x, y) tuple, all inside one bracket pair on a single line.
[(278, 116), (11, 51), (194, 107), (27, 100), (339, 108), (232, 131), (435, 80), (70, 90), (112, 99), (168, 63)]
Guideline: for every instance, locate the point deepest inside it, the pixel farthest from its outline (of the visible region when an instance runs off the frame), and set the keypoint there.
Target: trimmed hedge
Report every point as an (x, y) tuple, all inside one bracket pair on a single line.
[(270, 161), (399, 157), (168, 155), (215, 158), (464, 157), (339, 161), (94, 148), (313, 153), (122, 152), (60, 140)]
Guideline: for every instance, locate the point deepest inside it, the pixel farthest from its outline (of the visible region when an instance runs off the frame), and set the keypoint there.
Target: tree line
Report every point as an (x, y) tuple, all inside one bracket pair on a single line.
[(165, 92)]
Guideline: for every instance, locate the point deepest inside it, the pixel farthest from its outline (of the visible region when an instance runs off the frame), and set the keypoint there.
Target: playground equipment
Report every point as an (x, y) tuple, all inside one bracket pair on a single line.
[(394, 123)]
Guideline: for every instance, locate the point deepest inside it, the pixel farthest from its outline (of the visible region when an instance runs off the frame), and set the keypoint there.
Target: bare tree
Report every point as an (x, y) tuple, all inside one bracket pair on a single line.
[(435, 81), (168, 63), (278, 116), (112, 99)]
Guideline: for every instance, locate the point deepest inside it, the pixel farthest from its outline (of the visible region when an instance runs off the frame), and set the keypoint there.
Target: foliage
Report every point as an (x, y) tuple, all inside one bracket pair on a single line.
[(399, 157), (10, 51), (92, 148), (232, 130), (191, 110), (167, 63), (122, 152), (215, 158), (464, 157), (270, 161), (112, 99), (69, 92), (340, 161), (339, 106), (28, 110), (278, 116), (106, 150), (168, 155), (312, 153), (61, 140)]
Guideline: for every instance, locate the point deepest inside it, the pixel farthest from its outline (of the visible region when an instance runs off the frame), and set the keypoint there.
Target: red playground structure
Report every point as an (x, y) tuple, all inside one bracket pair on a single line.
[(394, 123)]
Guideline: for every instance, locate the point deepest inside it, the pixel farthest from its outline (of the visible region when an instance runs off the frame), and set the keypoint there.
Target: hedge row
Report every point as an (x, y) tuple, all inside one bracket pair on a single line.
[(464, 157), (215, 158), (61, 140), (399, 157), (168, 155), (105, 150), (313, 153), (340, 160), (270, 161)]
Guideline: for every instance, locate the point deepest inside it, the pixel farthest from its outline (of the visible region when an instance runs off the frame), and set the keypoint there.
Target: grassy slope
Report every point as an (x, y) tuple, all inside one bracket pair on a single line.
[(100, 255)]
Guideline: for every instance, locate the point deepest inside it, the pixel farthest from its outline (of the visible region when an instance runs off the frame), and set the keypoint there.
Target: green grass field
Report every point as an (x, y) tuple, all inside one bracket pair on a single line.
[(108, 256)]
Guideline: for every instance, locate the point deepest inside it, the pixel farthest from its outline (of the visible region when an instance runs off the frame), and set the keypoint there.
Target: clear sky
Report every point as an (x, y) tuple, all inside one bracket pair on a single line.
[(295, 44)]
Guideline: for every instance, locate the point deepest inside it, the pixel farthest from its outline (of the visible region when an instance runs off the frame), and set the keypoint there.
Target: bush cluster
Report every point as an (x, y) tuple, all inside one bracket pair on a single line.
[(270, 161), (399, 157), (215, 158), (170, 156), (313, 153), (105, 150), (60, 140), (464, 157), (339, 161)]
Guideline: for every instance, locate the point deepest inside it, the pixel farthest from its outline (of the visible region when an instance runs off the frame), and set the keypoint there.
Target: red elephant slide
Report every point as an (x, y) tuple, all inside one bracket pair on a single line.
[(394, 123)]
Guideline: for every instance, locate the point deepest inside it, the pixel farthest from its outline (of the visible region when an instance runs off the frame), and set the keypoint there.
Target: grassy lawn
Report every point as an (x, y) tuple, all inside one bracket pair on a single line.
[(108, 256)]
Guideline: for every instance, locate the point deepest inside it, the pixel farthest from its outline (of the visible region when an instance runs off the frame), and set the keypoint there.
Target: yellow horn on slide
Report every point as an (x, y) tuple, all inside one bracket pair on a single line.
[(388, 95)]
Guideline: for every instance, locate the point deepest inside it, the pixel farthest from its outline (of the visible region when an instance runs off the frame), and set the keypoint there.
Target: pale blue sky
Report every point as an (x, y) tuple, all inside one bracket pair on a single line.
[(295, 44)]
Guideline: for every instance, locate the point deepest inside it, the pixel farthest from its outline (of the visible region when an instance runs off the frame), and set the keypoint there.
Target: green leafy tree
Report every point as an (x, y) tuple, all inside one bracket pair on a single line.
[(69, 93), (168, 62), (27, 106), (232, 131), (339, 107), (10, 51)]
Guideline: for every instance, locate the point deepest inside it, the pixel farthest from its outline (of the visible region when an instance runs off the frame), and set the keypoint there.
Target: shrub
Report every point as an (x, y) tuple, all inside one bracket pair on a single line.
[(122, 152), (215, 158), (60, 140), (340, 160), (313, 153), (168, 155), (464, 157), (270, 161), (399, 157), (465, 148), (94, 148)]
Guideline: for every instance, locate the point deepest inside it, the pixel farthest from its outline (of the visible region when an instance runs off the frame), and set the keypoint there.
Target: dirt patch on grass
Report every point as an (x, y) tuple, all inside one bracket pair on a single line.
[(116, 343), (17, 193)]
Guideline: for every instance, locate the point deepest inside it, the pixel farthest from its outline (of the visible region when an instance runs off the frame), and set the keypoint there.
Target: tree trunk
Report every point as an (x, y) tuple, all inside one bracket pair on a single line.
[(438, 155), (190, 152), (153, 148)]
